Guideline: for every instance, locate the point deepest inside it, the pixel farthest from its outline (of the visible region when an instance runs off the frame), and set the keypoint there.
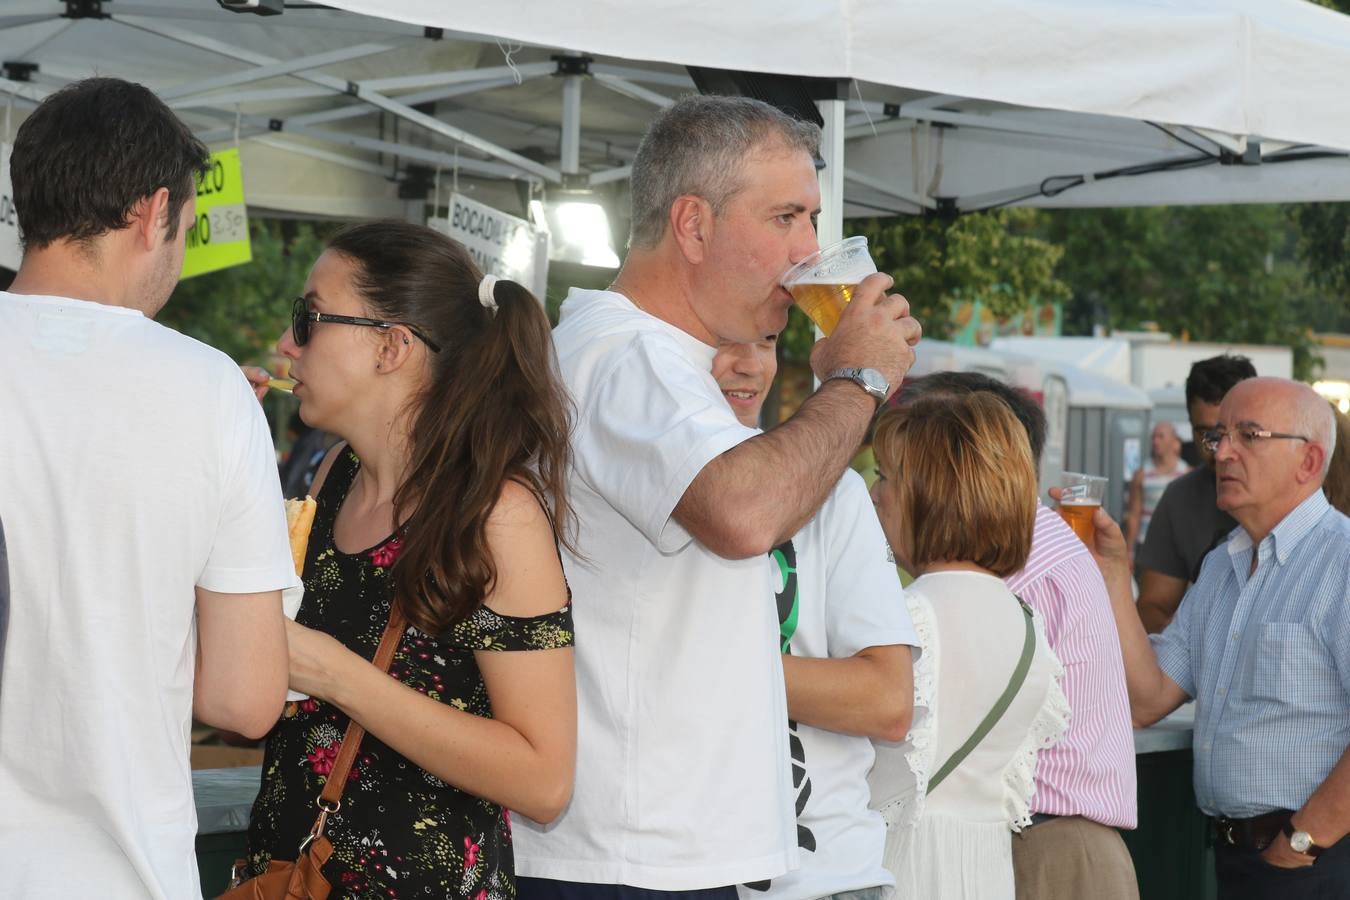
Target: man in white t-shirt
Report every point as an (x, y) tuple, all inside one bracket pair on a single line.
[(683, 785), (136, 471), (846, 638)]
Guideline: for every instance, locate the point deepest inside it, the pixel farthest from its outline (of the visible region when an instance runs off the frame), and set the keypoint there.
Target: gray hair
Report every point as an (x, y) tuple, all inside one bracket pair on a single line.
[(698, 146), (1314, 417)]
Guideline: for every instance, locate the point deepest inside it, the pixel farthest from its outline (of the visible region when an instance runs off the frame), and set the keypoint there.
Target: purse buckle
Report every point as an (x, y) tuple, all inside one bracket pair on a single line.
[(317, 831), (238, 873)]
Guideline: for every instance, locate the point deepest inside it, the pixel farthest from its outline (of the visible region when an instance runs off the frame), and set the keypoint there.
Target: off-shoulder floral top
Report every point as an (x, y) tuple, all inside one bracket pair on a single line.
[(401, 832)]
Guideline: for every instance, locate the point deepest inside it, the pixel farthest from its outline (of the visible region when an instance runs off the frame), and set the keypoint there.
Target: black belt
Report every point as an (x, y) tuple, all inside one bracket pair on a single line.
[(1038, 818), (1254, 833)]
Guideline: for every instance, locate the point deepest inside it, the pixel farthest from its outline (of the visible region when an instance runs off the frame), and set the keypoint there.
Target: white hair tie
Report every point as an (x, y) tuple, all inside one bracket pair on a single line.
[(485, 289)]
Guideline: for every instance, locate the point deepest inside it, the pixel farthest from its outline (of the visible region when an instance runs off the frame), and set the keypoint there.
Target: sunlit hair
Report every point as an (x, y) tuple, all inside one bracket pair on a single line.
[(699, 146), (494, 408), (960, 471), (943, 384), (1337, 481)]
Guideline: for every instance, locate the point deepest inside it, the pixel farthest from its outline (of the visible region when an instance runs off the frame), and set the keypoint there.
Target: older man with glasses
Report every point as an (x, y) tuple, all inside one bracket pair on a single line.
[(1262, 643)]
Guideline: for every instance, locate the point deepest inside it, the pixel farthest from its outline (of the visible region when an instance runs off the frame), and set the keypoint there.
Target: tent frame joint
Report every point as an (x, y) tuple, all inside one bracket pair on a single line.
[(85, 9), (572, 64), (19, 71), (1250, 155)]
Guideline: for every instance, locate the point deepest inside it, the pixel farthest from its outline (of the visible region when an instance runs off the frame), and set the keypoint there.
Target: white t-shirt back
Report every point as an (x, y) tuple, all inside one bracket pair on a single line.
[(135, 463), (848, 598), (682, 775)]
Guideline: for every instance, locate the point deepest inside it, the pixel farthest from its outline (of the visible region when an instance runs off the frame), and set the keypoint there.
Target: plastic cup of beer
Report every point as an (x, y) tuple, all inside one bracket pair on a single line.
[(1079, 501), (823, 283)]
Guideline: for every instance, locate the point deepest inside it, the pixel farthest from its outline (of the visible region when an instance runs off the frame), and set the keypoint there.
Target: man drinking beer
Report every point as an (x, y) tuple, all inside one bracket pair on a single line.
[(683, 786)]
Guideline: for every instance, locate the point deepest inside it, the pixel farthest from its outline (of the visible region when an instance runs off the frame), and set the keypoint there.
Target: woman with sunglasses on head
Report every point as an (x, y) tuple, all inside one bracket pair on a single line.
[(444, 504)]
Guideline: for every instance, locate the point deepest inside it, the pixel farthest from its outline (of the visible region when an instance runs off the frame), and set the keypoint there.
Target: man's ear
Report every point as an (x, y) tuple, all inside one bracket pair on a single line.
[(691, 223), (1310, 466), (150, 219)]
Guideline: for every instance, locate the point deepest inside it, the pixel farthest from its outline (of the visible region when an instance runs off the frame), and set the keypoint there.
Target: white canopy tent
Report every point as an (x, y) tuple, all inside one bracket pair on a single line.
[(945, 106)]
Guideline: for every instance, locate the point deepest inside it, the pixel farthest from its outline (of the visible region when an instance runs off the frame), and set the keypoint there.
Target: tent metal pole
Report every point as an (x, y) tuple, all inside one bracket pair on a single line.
[(459, 76), (830, 224), (355, 89), (431, 95), (433, 157), (260, 73), (666, 79), (890, 190), (569, 142), (609, 175), (24, 90), (262, 95), (629, 89)]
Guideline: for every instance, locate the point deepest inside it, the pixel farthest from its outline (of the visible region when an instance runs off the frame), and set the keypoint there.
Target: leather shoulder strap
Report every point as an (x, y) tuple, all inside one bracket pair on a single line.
[(351, 741)]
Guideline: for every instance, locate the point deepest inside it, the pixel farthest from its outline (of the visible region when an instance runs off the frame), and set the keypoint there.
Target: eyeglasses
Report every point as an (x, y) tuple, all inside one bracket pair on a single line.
[(1248, 437), (302, 316)]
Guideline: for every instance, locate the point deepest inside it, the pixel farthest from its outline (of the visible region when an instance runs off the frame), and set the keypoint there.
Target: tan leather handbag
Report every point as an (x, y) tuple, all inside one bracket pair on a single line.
[(303, 879)]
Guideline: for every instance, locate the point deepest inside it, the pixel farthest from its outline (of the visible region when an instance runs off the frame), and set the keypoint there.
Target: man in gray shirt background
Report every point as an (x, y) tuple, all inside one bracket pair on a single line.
[(1187, 522)]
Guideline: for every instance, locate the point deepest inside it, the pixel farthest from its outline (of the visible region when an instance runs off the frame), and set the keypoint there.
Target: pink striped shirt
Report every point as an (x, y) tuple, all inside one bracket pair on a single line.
[(1090, 772)]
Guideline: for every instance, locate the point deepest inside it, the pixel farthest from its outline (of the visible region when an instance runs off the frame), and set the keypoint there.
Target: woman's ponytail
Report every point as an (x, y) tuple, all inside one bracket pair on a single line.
[(494, 409)]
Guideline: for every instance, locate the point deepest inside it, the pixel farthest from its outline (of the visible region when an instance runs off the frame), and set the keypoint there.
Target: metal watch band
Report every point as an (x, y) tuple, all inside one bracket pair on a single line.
[(855, 375)]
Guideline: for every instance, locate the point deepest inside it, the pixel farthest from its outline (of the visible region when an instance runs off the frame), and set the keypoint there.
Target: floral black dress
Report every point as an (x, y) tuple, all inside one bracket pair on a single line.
[(401, 832)]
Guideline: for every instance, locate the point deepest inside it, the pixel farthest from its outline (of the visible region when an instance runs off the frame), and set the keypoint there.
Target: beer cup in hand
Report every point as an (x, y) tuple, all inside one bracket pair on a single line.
[(875, 331), (822, 284), (1080, 497)]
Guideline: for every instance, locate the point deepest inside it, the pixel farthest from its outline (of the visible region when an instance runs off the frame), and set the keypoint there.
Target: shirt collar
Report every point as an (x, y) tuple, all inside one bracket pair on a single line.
[(1290, 531)]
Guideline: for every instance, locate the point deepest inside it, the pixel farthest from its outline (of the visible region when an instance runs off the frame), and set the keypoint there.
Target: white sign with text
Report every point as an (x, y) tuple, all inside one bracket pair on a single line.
[(501, 244)]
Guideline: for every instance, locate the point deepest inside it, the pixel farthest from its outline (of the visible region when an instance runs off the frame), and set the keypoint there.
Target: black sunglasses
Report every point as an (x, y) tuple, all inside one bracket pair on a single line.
[(302, 316)]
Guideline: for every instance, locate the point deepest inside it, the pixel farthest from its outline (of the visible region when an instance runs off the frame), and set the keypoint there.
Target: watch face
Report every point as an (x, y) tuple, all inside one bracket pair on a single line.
[(874, 380), (1300, 841)]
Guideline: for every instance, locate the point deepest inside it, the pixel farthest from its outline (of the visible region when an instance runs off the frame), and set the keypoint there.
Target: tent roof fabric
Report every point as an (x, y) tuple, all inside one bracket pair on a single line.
[(964, 105), (1273, 68)]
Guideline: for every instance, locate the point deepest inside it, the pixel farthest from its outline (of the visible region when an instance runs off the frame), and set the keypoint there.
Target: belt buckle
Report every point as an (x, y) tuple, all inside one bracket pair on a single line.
[(1226, 832)]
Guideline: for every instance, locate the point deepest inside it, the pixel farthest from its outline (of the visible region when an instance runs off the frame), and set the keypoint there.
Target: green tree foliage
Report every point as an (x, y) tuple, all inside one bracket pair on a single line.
[(1324, 246), (242, 311), (1210, 273), (997, 257)]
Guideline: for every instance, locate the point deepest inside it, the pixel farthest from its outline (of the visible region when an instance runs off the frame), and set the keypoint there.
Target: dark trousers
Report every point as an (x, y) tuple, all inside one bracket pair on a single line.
[(548, 889), (1244, 875)]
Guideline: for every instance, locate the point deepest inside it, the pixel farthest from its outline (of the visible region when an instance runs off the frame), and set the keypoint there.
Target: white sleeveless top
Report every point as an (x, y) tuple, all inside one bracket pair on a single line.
[(954, 845)]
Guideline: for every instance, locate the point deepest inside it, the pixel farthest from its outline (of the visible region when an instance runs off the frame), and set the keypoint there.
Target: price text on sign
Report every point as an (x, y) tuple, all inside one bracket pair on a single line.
[(218, 237)]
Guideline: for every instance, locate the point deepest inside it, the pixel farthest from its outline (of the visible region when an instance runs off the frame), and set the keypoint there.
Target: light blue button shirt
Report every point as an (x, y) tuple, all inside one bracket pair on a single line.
[(1267, 659)]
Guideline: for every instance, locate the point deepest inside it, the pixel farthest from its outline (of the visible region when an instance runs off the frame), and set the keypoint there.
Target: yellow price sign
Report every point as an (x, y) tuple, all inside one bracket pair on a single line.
[(219, 238)]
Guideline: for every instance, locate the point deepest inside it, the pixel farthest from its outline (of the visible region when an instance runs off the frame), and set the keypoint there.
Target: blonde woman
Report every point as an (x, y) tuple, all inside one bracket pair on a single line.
[(957, 500)]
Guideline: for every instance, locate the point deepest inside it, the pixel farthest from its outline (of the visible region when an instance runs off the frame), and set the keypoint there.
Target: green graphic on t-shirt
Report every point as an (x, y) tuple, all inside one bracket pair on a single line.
[(789, 603), (789, 598)]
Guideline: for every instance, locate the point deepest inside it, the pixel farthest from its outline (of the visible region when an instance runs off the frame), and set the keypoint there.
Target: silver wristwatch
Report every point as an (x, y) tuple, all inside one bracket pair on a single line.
[(869, 380)]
